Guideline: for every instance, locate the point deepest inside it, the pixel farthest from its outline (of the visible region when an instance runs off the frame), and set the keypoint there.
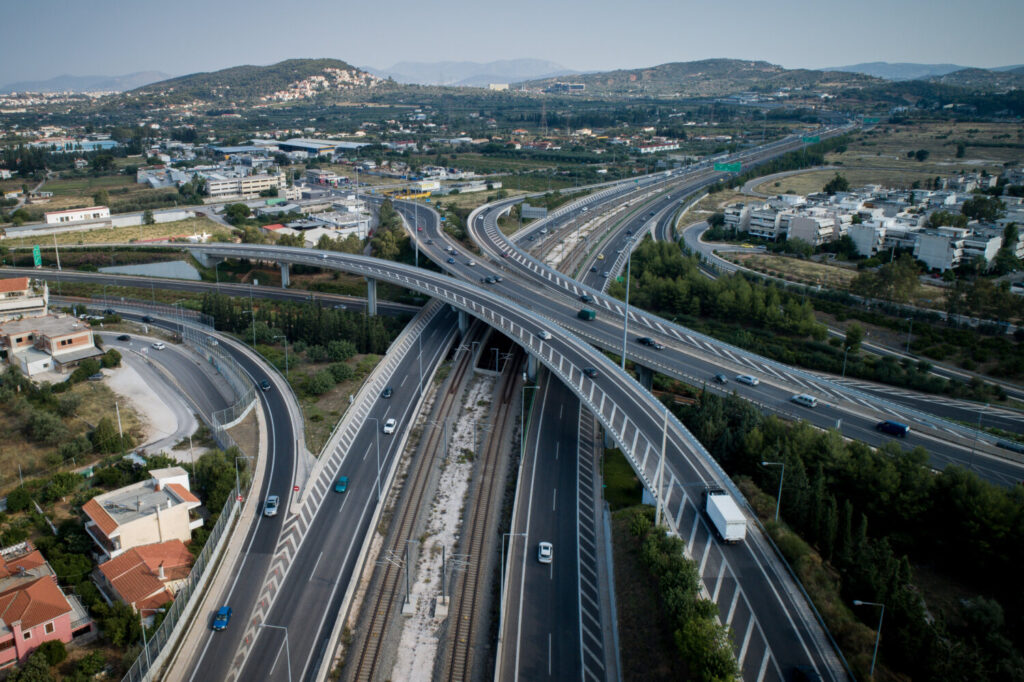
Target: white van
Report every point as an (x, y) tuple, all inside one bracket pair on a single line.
[(805, 400)]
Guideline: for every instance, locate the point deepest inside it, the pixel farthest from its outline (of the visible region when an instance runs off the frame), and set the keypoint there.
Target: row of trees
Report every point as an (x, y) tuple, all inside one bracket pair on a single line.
[(873, 515)]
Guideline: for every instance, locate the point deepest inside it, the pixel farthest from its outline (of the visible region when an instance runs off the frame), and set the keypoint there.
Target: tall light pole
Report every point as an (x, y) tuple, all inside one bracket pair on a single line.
[(287, 652), (782, 474), (377, 429), (878, 635), (145, 644)]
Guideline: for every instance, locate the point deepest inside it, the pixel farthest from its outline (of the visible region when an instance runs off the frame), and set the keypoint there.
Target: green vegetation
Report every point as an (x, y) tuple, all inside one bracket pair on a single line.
[(622, 488), (873, 515)]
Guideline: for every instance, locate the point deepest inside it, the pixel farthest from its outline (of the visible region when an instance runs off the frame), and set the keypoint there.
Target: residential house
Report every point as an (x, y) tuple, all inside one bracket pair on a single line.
[(51, 343), (20, 298), (143, 513), (149, 576)]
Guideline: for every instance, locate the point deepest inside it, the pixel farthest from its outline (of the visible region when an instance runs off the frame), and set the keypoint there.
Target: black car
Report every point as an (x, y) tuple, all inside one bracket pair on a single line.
[(721, 379), (147, 319), (593, 268), (497, 278), (590, 372), (430, 241), (587, 298), (387, 392), (124, 337), (110, 311), (264, 385), (648, 341)]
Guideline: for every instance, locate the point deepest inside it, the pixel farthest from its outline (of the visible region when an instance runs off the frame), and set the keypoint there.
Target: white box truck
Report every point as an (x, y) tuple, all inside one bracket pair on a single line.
[(729, 522)]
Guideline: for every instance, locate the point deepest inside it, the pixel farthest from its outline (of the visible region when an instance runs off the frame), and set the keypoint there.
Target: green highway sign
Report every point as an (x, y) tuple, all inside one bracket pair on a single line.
[(620, 279), (870, 120), (810, 139), (729, 167), (36, 256)]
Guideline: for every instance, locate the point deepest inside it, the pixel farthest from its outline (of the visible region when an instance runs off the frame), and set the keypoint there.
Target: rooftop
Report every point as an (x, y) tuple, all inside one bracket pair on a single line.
[(50, 325), (135, 575), (13, 284)]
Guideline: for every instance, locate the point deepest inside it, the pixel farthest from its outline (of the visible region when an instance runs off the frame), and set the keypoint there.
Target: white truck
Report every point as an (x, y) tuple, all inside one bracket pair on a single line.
[(729, 522)]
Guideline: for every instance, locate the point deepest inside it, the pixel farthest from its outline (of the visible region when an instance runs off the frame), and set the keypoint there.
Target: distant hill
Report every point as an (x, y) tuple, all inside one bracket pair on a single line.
[(67, 83), (474, 74), (706, 78), (983, 79), (898, 71), (292, 79)]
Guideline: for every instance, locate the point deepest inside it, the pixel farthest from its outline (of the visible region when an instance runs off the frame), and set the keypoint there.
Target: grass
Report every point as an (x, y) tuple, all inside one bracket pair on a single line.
[(246, 434), (622, 487), (321, 414), (122, 235), (88, 185), (648, 651)]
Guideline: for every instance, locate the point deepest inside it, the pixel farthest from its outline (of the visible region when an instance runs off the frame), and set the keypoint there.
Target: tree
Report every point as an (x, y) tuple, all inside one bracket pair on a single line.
[(854, 337), (836, 184), (102, 162), (101, 198), (105, 438), (147, 217), (961, 150), (983, 208), (943, 218), (35, 669), (236, 213), (112, 358), (54, 651), (921, 154)]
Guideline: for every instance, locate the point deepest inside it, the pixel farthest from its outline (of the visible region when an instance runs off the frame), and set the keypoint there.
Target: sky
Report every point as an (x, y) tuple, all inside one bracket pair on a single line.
[(116, 37)]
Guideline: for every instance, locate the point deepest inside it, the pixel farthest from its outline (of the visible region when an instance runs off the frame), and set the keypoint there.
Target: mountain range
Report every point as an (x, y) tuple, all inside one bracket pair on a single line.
[(472, 74), (68, 83), (905, 71)]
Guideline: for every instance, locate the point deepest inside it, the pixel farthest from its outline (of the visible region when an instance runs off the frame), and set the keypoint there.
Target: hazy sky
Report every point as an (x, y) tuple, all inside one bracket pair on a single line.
[(46, 38)]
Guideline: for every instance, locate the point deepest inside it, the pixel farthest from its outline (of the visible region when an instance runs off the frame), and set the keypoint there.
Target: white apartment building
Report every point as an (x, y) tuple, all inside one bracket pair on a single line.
[(77, 215)]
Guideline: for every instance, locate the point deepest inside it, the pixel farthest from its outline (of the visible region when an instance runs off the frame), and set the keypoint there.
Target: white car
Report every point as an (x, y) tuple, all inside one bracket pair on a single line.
[(389, 426), (159, 345), (748, 380), (270, 506), (545, 552), (544, 334)]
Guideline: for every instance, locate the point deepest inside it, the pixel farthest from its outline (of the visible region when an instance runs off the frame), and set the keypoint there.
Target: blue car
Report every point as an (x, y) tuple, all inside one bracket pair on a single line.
[(223, 617), (342, 484)]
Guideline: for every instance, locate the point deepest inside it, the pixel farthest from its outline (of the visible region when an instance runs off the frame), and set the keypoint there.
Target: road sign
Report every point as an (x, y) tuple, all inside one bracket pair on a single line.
[(36, 256), (239, 498), (810, 139), (620, 279), (733, 167), (295, 488)]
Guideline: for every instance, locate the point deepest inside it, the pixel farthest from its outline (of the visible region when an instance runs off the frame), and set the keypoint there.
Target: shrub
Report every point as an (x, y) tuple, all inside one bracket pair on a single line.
[(320, 383), (18, 500), (341, 372), (54, 651), (112, 358)]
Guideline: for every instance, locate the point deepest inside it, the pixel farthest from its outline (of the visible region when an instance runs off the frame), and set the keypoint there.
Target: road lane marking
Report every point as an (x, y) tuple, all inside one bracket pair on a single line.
[(319, 557)]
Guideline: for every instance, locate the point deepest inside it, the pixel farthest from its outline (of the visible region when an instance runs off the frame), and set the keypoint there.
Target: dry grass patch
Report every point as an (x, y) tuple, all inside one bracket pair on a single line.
[(123, 235), (246, 434), (321, 414)]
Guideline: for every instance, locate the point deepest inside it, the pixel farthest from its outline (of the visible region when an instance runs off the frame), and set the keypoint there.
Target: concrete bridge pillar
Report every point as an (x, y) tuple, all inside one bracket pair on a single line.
[(371, 296), (463, 322), (645, 376), (205, 259), (285, 272), (531, 367)]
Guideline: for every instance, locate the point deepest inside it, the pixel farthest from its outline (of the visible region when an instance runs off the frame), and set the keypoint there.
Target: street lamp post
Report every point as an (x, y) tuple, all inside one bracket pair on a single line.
[(782, 474), (145, 644), (287, 652), (377, 436), (878, 635), (625, 317)]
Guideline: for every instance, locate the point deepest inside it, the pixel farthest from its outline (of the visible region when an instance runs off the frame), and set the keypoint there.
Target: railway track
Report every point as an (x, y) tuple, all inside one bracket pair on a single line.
[(466, 609), (390, 587)]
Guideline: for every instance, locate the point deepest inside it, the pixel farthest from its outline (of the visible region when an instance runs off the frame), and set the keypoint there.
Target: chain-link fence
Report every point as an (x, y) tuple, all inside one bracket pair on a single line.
[(180, 608)]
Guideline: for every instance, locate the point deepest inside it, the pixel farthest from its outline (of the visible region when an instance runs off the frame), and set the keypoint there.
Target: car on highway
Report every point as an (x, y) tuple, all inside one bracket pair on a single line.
[(805, 673), (593, 268), (893, 428), (340, 306), (505, 254), (605, 274), (545, 552), (124, 337), (600, 256), (648, 341), (471, 263), (497, 278), (159, 345), (430, 242), (341, 485), (419, 229), (110, 311), (629, 233), (389, 426), (487, 280), (264, 385), (387, 392), (147, 319), (587, 298), (544, 334), (271, 505), (721, 379), (590, 372), (747, 379), (223, 617), (805, 400), (451, 260)]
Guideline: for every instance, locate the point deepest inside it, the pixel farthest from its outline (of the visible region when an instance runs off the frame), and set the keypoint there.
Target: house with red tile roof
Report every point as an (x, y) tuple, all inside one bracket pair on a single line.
[(33, 608), (144, 513), (149, 576)]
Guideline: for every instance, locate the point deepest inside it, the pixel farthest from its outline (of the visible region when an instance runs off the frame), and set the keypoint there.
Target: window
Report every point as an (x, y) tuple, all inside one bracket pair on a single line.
[(49, 628), (27, 634)]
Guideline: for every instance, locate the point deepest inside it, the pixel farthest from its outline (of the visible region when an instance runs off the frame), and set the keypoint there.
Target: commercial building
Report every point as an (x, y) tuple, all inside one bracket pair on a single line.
[(227, 185), (143, 513), (75, 215)]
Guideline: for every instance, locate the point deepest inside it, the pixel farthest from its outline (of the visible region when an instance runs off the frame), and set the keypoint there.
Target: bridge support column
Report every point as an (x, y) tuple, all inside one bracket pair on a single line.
[(371, 296), (645, 376), (463, 322), (205, 259), (285, 272), (531, 367)]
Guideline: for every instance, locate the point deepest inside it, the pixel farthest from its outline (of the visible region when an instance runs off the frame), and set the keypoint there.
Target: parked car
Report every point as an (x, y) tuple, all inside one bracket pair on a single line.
[(389, 426), (223, 617), (341, 485), (545, 552), (98, 376), (270, 506), (748, 379)]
